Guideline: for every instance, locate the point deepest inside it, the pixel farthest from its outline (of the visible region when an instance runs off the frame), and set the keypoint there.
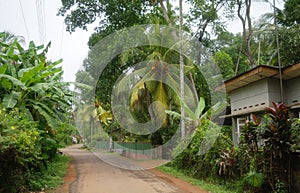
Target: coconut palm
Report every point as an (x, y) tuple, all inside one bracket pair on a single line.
[(156, 80)]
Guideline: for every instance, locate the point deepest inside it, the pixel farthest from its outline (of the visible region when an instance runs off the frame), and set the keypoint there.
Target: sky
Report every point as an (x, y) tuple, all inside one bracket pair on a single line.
[(36, 20), (72, 48)]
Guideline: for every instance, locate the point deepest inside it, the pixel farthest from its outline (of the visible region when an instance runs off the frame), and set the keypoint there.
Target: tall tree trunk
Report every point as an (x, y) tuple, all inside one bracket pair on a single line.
[(247, 35), (181, 63), (165, 12), (238, 60), (182, 122)]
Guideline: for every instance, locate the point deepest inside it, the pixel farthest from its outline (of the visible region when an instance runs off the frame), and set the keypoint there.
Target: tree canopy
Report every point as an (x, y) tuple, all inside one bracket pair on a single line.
[(231, 53)]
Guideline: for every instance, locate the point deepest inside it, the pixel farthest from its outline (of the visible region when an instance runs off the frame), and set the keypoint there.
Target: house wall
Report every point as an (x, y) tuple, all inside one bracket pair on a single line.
[(234, 131), (292, 91), (250, 96), (258, 95), (273, 91)]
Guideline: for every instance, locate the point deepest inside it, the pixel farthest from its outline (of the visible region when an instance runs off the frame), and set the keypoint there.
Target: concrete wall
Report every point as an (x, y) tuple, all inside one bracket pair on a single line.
[(258, 95), (250, 96), (292, 91), (273, 91)]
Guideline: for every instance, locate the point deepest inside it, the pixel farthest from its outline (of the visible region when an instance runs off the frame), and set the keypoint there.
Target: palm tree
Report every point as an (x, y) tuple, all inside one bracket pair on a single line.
[(154, 87)]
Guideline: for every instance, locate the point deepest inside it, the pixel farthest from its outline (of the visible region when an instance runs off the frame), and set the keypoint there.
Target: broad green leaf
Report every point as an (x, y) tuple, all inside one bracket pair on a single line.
[(10, 100), (6, 84), (40, 87), (45, 107), (59, 91), (47, 48), (161, 96), (200, 107), (32, 45), (60, 101), (11, 49), (21, 72), (26, 111), (177, 115), (52, 122), (214, 110), (14, 81), (56, 77), (218, 108), (29, 73), (57, 62), (12, 70), (187, 109), (173, 114), (44, 74), (20, 48), (3, 69)]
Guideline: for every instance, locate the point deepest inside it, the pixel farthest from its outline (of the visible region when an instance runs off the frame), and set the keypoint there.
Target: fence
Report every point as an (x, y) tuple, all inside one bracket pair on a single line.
[(137, 150)]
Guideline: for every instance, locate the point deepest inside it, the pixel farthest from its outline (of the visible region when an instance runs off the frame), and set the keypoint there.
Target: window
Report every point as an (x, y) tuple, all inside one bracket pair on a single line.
[(240, 123)]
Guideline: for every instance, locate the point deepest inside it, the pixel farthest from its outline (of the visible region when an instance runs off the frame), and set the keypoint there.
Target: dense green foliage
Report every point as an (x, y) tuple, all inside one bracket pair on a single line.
[(203, 166), (250, 165), (50, 177), (34, 112), (262, 161), (290, 38)]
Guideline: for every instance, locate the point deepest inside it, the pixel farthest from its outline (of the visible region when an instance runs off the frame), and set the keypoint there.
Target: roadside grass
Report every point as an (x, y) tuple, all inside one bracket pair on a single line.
[(52, 177), (206, 185)]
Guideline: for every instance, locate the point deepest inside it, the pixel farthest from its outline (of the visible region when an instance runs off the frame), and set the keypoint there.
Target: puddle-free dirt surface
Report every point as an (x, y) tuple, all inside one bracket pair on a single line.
[(87, 173)]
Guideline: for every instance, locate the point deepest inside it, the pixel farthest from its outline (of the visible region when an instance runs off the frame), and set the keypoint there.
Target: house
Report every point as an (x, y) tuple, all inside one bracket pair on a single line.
[(256, 89)]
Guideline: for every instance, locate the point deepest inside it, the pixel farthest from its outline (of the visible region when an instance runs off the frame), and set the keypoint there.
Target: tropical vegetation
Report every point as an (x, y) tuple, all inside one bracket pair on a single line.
[(271, 40), (35, 113)]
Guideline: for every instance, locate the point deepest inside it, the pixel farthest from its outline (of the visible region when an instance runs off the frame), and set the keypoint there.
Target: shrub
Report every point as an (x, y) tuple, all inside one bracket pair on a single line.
[(206, 165), (20, 150)]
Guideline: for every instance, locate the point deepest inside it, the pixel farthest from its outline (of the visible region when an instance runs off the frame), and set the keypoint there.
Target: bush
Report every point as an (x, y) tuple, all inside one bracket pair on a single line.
[(50, 177), (206, 165), (295, 137), (20, 151)]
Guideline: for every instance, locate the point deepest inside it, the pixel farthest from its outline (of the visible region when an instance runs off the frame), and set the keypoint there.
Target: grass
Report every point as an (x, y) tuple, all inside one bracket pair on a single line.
[(52, 177), (208, 186)]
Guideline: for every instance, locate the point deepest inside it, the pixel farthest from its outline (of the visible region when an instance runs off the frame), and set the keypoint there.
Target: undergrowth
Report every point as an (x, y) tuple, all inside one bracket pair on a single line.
[(50, 177)]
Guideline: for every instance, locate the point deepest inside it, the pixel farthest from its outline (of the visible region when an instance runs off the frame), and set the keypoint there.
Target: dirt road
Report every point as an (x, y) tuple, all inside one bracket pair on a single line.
[(92, 175)]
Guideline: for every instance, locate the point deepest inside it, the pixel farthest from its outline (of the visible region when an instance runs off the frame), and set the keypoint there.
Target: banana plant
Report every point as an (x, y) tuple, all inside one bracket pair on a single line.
[(32, 84), (197, 115)]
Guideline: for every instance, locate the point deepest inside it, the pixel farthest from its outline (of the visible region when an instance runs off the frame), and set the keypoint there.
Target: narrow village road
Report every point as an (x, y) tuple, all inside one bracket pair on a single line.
[(95, 176)]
